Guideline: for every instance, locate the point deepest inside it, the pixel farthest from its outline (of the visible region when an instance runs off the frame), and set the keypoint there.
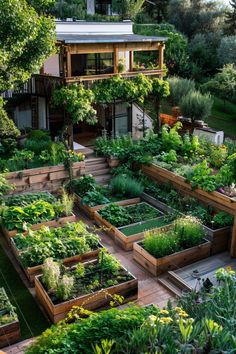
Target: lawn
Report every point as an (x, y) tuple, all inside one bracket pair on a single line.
[(148, 225), (32, 320), (223, 117)]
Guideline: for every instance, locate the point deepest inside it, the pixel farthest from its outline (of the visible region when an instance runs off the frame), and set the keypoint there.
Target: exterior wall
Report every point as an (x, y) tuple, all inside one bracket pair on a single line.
[(82, 27), (51, 66), (137, 122), (214, 137)]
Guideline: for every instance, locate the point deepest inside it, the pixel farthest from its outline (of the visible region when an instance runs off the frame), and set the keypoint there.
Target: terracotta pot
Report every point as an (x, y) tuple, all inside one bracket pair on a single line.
[(176, 111), (113, 161)]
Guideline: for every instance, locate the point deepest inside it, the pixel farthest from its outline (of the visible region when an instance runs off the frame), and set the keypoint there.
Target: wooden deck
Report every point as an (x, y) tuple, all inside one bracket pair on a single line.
[(194, 274)]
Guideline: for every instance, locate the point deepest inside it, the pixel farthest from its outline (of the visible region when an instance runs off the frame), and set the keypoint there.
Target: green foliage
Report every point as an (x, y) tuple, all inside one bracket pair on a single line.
[(82, 185), (7, 126), (223, 84), (125, 186), (28, 198), (230, 19), (196, 106), (202, 177), (179, 88), (59, 243), (127, 9), (185, 233), (116, 215), (170, 137), (77, 101), (37, 141), (222, 219), (7, 311), (27, 40), (64, 9), (227, 45), (5, 187), (176, 52), (51, 273), (94, 197)]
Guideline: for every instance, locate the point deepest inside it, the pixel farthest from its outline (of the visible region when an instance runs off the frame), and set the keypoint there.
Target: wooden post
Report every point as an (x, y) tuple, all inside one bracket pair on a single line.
[(131, 60), (233, 242), (161, 56), (116, 59), (68, 64)]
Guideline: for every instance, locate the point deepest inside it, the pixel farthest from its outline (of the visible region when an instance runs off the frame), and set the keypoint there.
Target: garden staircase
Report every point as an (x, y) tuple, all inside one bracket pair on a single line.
[(173, 283), (98, 167)]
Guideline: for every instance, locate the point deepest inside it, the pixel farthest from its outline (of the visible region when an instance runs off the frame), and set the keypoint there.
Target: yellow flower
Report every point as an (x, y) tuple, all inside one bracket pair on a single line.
[(165, 320), (183, 314), (229, 268), (178, 309), (164, 312), (152, 318)]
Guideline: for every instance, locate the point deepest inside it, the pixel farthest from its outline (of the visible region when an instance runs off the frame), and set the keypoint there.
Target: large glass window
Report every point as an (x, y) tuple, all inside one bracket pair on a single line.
[(92, 64), (103, 7)]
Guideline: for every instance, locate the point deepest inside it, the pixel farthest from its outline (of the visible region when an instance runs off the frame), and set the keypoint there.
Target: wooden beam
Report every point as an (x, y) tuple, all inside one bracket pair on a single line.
[(84, 48), (131, 60), (233, 241), (161, 56), (116, 59), (68, 64)]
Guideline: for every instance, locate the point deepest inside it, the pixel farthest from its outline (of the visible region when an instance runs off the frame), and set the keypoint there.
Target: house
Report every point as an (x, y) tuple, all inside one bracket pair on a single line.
[(88, 51)]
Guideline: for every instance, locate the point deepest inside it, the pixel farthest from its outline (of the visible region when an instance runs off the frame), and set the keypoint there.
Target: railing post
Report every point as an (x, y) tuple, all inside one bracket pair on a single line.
[(116, 59)]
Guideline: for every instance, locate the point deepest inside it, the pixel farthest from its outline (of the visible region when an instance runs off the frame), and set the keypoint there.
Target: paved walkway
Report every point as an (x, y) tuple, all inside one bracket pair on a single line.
[(150, 291)]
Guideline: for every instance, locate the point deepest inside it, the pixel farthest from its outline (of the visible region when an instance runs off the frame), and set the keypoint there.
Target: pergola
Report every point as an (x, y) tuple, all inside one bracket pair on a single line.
[(85, 44)]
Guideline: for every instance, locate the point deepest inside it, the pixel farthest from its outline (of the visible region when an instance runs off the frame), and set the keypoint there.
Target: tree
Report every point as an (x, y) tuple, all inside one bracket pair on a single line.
[(176, 51), (227, 50), (41, 6), (7, 126), (27, 39), (223, 84), (157, 10), (230, 20), (203, 49), (69, 9), (196, 106), (196, 16), (160, 90), (77, 103), (179, 88), (127, 9)]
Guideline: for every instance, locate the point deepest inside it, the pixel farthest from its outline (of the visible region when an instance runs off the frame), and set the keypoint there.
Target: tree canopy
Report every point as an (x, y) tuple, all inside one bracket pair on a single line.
[(27, 39), (230, 20)]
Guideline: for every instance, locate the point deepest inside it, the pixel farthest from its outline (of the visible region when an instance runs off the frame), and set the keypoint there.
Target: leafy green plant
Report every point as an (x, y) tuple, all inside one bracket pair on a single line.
[(94, 197), (202, 177), (64, 287), (115, 214), (5, 187), (57, 243), (82, 185), (51, 273), (7, 311), (222, 219), (15, 217), (67, 202), (28, 198), (126, 186), (189, 231)]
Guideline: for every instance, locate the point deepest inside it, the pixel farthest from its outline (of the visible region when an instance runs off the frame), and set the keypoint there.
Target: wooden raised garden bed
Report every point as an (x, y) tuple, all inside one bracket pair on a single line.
[(220, 238), (97, 300), (49, 177), (9, 332), (52, 223), (32, 272), (90, 211), (117, 233), (157, 266)]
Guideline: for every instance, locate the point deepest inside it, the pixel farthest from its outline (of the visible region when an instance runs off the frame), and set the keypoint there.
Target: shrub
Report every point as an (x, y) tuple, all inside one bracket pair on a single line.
[(196, 106), (179, 88), (190, 232), (94, 197), (82, 185), (222, 219), (126, 186), (37, 141), (116, 215), (160, 244)]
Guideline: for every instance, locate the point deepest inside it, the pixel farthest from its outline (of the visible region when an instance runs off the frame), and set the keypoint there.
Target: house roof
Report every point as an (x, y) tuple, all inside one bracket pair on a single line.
[(93, 38)]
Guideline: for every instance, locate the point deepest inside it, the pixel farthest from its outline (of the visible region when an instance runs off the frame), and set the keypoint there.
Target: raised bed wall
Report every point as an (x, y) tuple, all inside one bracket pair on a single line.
[(9, 334), (48, 178)]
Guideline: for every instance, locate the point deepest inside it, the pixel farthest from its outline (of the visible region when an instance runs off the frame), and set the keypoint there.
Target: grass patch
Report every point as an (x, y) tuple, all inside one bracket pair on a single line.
[(148, 225), (32, 320)]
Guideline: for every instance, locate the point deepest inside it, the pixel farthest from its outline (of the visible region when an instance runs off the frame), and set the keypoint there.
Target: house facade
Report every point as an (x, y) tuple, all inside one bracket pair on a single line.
[(88, 51)]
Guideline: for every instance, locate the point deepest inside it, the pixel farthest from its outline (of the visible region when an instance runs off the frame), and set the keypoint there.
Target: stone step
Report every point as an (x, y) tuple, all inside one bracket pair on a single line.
[(164, 280), (97, 166), (97, 172), (95, 160), (105, 179)]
